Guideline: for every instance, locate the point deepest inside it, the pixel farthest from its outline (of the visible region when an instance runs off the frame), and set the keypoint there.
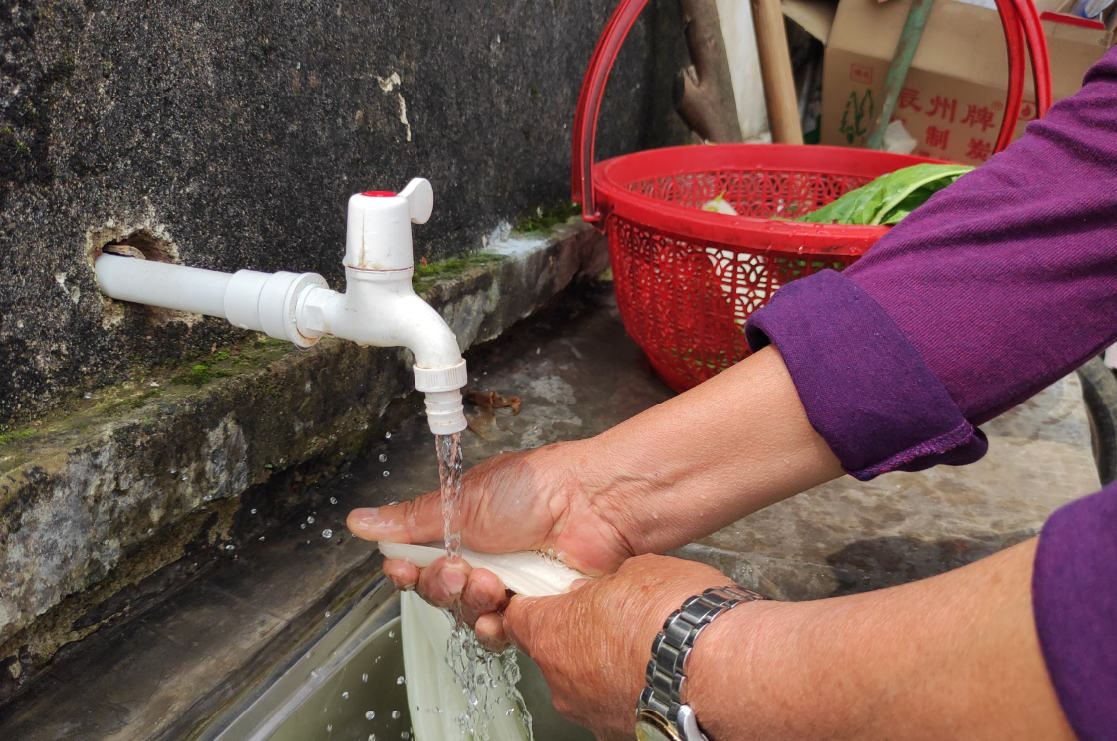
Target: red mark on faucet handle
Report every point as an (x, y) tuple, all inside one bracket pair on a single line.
[(379, 194)]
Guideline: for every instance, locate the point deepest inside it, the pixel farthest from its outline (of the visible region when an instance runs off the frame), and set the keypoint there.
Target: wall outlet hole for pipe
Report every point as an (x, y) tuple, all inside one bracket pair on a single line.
[(144, 244)]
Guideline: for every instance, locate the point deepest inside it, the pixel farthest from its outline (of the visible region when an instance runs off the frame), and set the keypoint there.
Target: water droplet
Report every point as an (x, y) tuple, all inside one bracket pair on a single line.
[(364, 677), (400, 680), (405, 734), (344, 695), (387, 436), (383, 458), (327, 533), (391, 634), (385, 473), (372, 737), (230, 547), (310, 519), (88, 395), (395, 715), (333, 500), (206, 498), (327, 613), (370, 715), (261, 537), (329, 728), (253, 512), (302, 526), (184, 478), (174, 471)]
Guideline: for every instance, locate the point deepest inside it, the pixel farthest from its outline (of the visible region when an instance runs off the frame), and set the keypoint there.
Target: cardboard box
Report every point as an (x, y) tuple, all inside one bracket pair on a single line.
[(954, 95)]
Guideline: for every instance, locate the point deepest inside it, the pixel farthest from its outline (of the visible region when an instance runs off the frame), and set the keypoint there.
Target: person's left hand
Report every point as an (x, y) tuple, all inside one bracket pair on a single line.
[(593, 644)]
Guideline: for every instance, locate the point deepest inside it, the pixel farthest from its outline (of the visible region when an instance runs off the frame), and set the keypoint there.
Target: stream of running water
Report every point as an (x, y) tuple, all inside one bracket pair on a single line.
[(477, 671)]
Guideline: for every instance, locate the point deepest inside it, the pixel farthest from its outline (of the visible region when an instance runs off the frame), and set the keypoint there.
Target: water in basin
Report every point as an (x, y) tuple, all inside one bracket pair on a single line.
[(348, 687)]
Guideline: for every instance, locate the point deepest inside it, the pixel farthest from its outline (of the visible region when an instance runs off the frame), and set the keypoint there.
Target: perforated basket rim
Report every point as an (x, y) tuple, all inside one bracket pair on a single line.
[(613, 176)]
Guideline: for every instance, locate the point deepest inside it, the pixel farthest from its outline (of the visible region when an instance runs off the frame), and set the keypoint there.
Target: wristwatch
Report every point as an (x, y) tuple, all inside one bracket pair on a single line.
[(662, 713)]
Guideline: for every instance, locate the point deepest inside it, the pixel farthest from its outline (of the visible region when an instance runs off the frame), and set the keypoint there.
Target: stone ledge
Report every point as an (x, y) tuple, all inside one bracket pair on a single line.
[(129, 497)]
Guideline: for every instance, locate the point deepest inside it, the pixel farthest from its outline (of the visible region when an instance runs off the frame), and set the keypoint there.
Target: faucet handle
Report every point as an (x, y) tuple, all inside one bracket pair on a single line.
[(420, 199), (378, 230)]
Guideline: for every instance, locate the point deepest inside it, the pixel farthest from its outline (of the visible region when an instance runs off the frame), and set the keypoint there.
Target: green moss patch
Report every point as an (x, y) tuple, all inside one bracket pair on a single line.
[(546, 217), (427, 274)]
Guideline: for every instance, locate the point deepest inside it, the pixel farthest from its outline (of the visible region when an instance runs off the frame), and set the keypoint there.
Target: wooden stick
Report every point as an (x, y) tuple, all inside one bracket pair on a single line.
[(775, 69), (704, 91)]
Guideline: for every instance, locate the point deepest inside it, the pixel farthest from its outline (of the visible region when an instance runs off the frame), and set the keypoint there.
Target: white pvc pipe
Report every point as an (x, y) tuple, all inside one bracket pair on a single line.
[(162, 284)]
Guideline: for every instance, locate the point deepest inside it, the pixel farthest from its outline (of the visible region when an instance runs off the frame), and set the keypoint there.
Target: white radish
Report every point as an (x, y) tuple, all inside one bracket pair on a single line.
[(525, 572)]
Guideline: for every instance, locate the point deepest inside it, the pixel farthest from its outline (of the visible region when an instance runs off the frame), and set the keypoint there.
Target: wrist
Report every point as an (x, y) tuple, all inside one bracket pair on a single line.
[(735, 668), (665, 709), (646, 498)]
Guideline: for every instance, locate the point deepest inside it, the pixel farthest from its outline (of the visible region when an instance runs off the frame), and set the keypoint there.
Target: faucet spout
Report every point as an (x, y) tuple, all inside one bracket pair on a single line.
[(380, 308)]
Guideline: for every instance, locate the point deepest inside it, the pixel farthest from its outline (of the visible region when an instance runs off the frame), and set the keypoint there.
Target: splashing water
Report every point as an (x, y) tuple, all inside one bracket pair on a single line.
[(477, 672)]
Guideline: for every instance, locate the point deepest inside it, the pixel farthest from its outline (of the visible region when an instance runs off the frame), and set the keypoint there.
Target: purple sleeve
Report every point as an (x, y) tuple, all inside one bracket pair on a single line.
[(1074, 597), (998, 286)]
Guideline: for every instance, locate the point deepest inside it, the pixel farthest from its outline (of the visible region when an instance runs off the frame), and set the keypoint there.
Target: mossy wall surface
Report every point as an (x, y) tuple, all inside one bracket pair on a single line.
[(229, 135)]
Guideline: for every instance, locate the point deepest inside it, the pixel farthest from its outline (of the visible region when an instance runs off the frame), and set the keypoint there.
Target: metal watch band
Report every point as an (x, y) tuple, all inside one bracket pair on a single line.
[(666, 690)]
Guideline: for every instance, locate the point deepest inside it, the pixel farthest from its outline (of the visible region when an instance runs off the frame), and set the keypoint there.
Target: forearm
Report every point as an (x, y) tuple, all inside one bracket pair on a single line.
[(955, 656), (706, 458)]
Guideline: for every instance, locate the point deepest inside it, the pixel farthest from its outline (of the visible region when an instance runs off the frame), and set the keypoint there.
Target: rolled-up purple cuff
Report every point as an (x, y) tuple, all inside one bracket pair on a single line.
[(864, 386), (1074, 597)]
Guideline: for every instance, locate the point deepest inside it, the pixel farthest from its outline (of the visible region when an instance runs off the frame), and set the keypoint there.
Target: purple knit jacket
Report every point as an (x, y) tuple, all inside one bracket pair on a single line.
[(998, 286)]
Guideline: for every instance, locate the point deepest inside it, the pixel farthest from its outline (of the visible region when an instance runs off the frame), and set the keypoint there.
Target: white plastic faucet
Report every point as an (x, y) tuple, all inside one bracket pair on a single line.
[(379, 306)]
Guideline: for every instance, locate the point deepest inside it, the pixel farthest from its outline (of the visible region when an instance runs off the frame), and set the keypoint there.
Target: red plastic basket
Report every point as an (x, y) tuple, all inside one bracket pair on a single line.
[(686, 279)]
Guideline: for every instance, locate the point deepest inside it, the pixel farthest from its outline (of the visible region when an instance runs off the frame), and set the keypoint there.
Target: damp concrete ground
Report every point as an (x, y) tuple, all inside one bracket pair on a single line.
[(165, 674)]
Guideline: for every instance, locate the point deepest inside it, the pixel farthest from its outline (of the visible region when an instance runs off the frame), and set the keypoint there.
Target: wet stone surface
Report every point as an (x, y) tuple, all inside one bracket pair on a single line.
[(110, 506), (168, 671)]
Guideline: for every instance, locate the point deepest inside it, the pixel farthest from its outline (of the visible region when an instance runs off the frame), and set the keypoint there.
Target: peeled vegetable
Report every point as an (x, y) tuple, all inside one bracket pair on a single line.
[(889, 198), (440, 705), (527, 572), (454, 688)]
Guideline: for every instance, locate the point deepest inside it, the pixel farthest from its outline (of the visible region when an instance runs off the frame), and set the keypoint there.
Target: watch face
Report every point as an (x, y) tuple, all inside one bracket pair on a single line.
[(651, 726)]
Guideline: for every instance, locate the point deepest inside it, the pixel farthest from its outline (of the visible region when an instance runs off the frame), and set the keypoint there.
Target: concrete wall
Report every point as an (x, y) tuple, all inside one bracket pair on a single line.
[(230, 134)]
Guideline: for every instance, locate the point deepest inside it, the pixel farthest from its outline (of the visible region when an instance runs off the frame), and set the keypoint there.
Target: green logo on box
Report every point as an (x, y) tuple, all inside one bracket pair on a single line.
[(858, 112)]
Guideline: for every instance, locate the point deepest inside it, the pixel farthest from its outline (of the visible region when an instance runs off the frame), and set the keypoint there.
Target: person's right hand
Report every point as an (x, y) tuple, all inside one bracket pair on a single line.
[(521, 501)]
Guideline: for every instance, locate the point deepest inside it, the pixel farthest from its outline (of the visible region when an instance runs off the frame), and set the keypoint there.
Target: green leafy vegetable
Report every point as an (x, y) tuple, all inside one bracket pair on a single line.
[(889, 198)]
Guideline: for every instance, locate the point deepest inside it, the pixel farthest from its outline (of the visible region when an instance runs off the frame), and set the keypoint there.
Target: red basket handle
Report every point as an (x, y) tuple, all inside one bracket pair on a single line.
[(589, 102), (1019, 19)]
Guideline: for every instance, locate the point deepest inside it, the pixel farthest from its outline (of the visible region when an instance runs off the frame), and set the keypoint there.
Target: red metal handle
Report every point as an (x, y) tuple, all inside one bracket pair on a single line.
[(589, 102), (1037, 48), (1018, 17), (1021, 24)]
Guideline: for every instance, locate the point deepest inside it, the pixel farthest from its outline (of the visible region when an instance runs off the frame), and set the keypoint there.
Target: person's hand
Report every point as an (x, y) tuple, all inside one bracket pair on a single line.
[(593, 643), (532, 500), (667, 476)]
